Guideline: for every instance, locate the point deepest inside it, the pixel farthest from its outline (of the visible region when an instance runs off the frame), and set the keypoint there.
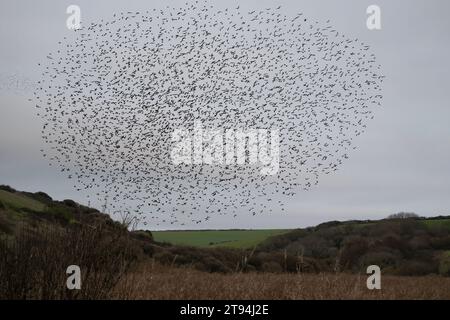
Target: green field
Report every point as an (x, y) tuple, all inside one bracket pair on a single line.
[(18, 201), (217, 238), (442, 223)]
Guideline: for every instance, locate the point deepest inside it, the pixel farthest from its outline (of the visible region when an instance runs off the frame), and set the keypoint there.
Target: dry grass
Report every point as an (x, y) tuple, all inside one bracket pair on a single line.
[(153, 281), (33, 263)]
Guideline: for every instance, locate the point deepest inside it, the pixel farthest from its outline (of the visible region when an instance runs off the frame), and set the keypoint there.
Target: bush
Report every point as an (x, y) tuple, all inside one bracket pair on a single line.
[(164, 257), (143, 235), (416, 268), (312, 266), (420, 242), (256, 261), (403, 215), (442, 242), (5, 225), (352, 251), (70, 203), (383, 259), (214, 265), (444, 265), (7, 188), (33, 264), (327, 225), (312, 245), (88, 210), (58, 212), (272, 266), (395, 242), (43, 195)]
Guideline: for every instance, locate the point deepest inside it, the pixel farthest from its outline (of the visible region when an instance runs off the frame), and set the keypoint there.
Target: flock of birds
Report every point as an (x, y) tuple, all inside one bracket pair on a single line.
[(111, 96)]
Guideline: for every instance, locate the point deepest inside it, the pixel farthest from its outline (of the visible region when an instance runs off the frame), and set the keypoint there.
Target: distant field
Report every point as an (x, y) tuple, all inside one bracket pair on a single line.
[(444, 223), (222, 238)]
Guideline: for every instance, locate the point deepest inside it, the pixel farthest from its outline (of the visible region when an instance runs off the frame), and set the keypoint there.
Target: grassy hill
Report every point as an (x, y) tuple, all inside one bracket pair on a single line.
[(34, 210), (19, 201), (40, 237), (415, 246)]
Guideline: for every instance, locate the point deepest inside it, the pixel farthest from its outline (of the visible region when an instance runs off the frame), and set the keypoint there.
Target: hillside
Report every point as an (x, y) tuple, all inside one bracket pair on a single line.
[(32, 211), (415, 246)]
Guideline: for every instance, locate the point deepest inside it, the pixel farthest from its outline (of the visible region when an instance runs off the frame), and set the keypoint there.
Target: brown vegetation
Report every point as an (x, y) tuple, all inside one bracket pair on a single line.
[(153, 281), (33, 263), (324, 262)]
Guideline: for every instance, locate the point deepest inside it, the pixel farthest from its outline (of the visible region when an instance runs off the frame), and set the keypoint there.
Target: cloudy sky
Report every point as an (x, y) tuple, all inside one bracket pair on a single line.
[(403, 159)]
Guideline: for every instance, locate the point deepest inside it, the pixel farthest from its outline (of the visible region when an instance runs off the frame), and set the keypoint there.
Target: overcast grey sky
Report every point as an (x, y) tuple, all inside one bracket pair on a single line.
[(402, 162)]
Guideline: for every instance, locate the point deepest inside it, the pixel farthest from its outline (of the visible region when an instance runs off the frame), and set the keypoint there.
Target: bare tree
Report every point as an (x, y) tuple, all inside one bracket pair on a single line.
[(403, 215), (129, 221)]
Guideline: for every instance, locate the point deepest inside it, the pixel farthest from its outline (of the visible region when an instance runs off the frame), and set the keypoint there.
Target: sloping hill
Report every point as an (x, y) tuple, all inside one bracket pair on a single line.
[(414, 246), (19, 201), (25, 209)]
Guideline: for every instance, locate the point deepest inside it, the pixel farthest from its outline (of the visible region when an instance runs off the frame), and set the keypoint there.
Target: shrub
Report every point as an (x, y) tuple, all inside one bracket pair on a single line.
[(5, 225), (272, 266), (395, 242), (417, 268), (420, 242), (403, 215), (442, 242), (33, 264), (88, 210), (39, 196), (164, 257), (58, 212), (7, 188), (352, 251), (327, 225), (143, 235), (311, 265), (214, 265), (70, 203), (382, 259), (256, 261), (444, 264), (312, 245)]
